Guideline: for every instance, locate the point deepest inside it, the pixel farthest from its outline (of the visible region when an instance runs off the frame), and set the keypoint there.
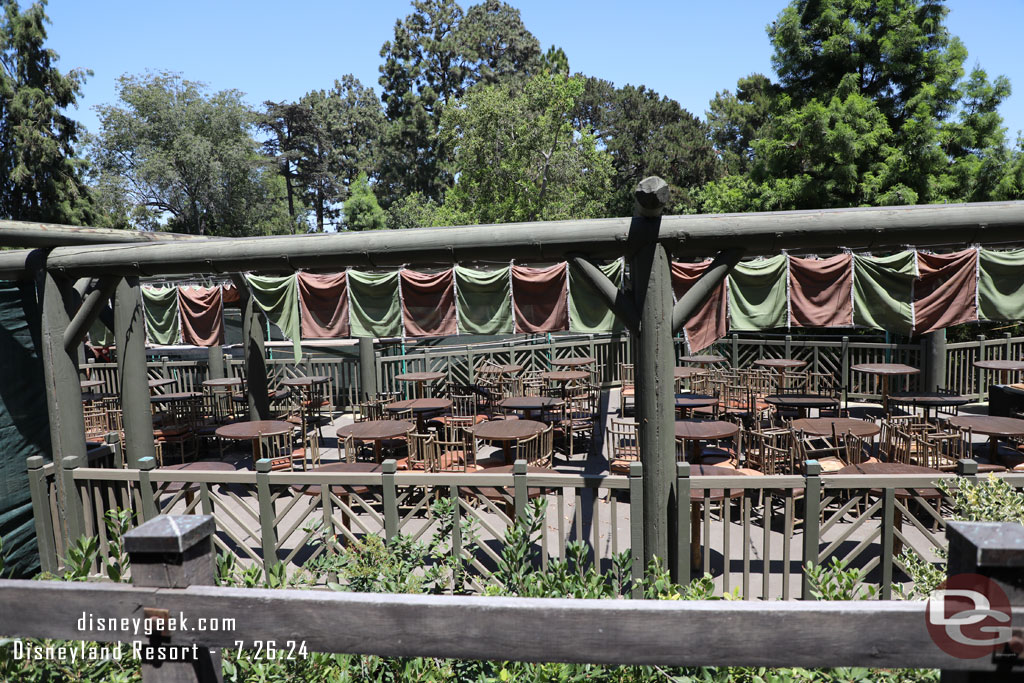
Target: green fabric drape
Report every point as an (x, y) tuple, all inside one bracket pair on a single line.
[(588, 312), (374, 308), (100, 334), (483, 301), (278, 298), (1001, 285), (161, 314), (758, 294), (883, 291)]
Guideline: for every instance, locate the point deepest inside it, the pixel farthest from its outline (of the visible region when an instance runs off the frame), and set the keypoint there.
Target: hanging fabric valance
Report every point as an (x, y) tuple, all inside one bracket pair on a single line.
[(428, 303), (162, 326), (324, 305), (483, 300), (538, 298)]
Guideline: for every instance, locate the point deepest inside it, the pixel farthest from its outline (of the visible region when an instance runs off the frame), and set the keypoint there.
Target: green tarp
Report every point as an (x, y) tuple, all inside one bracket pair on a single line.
[(100, 334), (757, 294), (374, 309), (483, 301), (883, 291), (278, 298), (587, 310), (24, 427), (1001, 285), (161, 314)]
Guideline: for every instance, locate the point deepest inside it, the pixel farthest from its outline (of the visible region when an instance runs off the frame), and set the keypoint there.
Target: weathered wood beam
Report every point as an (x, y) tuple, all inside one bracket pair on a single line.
[(130, 338), (255, 365), (758, 233), (30, 234), (616, 299), (699, 292), (653, 363), (90, 309)]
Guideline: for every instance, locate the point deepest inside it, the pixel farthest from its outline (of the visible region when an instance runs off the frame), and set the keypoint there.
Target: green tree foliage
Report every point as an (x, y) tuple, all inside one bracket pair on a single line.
[(284, 121), (519, 157), (436, 54), (871, 108), (41, 178), (362, 212), (647, 134), (184, 160)]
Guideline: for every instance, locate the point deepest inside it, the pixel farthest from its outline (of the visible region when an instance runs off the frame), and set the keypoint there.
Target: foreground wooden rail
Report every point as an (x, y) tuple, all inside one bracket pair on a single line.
[(169, 554)]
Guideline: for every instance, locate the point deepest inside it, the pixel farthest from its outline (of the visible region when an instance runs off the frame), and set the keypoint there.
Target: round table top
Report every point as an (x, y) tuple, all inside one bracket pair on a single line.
[(695, 400), (91, 383), (160, 382), (705, 429), (780, 363), (989, 425), (886, 468), (376, 430), (564, 375), (706, 358), (419, 376), (715, 495), (304, 381), (498, 369), (1006, 365), (175, 396), (507, 430), (802, 400), (686, 371), (198, 466), (573, 362), (345, 467), (885, 369), (824, 426), (420, 405), (254, 429), (223, 382), (529, 402), (929, 398)]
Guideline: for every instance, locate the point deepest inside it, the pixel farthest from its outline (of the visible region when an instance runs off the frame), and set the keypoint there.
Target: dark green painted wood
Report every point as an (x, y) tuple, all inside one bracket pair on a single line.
[(812, 516), (130, 336), (934, 360), (41, 514), (255, 363), (681, 552), (268, 532), (696, 295), (215, 362), (519, 489), (636, 526), (888, 536), (73, 512), (617, 300), (367, 368), (389, 496), (147, 493), (89, 310)]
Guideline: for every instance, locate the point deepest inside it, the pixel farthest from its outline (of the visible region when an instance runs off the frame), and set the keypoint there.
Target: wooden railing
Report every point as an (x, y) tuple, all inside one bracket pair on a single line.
[(173, 567)]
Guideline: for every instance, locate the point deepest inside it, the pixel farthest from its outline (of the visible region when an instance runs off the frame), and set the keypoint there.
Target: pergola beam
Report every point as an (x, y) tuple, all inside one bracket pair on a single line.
[(698, 293), (45, 235), (757, 233)]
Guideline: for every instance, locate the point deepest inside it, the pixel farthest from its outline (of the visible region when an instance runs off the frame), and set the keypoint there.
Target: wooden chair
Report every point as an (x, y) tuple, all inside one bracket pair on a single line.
[(628, 394), (281, 452), (455, 452), (420, 452), (179, 427), (625, 447), (829, 453), (580, 416)]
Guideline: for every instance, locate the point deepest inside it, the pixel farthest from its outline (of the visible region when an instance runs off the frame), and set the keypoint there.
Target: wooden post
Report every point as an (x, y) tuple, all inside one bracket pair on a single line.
[(130, 336), (174, 552), (74, 515), (268, 532), (682, 536), (812, 518), (519, 489), (636, 526), (654, 367), (215, 362), (367, 368), (389, 498), (41, 514), (147, 496), (255, 366), (994, 550), (980, 372), (935, 360)]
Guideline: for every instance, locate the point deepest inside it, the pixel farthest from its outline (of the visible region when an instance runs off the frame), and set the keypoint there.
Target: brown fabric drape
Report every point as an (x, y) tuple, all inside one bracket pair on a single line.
[(820, 291), (428, 303), (202, 315), (946, 292), (231, 296), (323, 305), (539, 296), (710, 322)]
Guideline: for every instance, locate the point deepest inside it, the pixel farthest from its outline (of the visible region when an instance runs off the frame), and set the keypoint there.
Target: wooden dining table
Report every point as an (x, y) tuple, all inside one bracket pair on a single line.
[(507, 432), (254, 431), (885, 371), (992, 426), (376, 431), (419, 379), (696, 431), (827, 426), (421, 408)]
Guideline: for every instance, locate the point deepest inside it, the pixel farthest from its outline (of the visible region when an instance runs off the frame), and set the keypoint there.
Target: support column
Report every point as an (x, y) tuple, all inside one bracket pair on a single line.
[(130, 338), (255, 365), (215, 362), (935, 361), (654, 365), (367, 368)]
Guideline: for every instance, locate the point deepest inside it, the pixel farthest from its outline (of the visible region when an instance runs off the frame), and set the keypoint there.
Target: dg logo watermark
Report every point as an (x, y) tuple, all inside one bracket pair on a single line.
[(970, 617)]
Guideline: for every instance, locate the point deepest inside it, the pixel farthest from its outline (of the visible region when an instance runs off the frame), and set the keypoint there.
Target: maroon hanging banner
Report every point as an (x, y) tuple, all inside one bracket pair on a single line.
[(540, 298), (428, 303), (821, 291), (946, 292), (710, 322), (202, 315), (323, 305)]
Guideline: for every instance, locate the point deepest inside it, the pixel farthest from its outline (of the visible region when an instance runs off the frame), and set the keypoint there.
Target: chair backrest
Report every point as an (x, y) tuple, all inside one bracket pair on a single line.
[(279, 450), (406, 414), (464, 405), (372, 409), (456, 452), (622, 436), (858, 449), (626, 374), (421, 450), (349, 450), (769, 452), (823, 383), (97, 422), (528, 449)]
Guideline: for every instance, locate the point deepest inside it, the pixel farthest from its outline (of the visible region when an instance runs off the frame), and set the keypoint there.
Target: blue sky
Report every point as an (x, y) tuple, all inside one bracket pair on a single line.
[(684, 49)]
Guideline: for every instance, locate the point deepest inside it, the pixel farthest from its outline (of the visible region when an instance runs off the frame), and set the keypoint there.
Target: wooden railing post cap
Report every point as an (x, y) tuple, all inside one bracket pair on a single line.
[(69, 462), (35, 462), (169, 534), (636, 469), (389, 466), (147, 463), (966, 466), (682, 469), (988, 544), (263, 465), (519, 467), (812, 468)]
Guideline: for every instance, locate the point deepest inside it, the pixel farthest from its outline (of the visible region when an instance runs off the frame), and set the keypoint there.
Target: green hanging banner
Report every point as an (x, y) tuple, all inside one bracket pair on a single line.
[(374, 308), (758, 294), (1001, 285), (883, 289), (587, 310), (161, 306), (483, 301), (278, 298)]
